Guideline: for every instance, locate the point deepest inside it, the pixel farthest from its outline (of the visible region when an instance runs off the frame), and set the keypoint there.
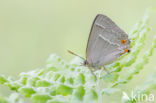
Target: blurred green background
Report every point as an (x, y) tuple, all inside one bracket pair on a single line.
[(30, 30)]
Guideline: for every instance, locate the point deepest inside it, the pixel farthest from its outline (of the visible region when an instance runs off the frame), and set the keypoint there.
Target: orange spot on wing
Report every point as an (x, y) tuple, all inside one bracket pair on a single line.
[(123, 41), (126, 50)]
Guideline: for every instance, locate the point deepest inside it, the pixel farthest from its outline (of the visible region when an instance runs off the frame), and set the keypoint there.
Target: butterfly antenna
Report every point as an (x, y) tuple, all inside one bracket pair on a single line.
[(75, 54)]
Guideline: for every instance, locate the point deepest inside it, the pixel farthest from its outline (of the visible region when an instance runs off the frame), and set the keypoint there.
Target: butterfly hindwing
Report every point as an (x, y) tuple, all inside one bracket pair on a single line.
[(104, 41)]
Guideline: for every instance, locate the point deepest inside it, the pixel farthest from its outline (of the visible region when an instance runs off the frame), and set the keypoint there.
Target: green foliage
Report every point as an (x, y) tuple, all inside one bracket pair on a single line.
[(62, 82)]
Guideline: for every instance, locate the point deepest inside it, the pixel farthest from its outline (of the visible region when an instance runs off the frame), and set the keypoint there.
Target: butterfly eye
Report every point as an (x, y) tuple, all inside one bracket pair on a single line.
[(123, 41)]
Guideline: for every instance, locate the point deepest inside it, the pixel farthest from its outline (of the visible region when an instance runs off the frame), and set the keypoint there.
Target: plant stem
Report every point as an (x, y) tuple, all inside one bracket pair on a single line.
[(98, 85)]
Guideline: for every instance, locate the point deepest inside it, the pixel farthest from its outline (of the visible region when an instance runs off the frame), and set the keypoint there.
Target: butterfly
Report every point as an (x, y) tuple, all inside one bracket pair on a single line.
[(106, 43)]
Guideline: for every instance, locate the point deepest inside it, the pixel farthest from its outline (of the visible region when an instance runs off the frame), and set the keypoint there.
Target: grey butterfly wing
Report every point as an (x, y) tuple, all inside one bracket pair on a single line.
[(104, 43)]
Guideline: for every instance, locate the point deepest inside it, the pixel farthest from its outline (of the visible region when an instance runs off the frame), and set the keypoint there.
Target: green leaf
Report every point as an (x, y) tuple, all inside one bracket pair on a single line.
[(40, 98), (42, 83), (62, 79), (32, 81), (2, 100), (110, 77), (27, 91), (64, 90), (3, 79), (70, 81), (79, 93), (91, 95), (80, 79), (56, 76)]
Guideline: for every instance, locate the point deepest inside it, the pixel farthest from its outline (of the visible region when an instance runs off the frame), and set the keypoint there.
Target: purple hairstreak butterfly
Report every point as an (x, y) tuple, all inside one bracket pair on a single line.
[(106, 43)]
